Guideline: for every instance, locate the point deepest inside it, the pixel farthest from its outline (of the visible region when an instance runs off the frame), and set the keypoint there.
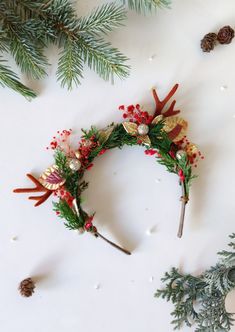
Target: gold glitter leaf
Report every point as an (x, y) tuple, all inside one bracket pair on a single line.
[(172, 122), (131, 128), (144, 139), (104, 134), (191, 149), (157, 119)]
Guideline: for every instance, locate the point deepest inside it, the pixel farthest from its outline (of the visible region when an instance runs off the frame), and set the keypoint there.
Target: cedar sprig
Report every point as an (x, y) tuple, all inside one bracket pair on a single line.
[(73, 221), (206, 291)]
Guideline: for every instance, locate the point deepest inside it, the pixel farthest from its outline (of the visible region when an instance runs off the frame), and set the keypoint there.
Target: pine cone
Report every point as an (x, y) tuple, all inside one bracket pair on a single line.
[(26, 287), (208, 42), (225, 35)]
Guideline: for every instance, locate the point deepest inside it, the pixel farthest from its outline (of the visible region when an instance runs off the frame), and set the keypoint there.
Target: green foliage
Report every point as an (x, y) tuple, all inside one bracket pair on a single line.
[(73, 221), (146, 6), (228, 257), (103, 20), (28, 27), (9, 78), (207, 292)]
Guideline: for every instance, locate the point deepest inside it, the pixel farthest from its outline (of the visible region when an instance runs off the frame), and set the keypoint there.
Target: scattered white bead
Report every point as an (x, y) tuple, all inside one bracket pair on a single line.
[(151, 279), (223, 87), (97, 286), (151, 230), (152, 57), (146, 209), (14, 238), (158, 180)]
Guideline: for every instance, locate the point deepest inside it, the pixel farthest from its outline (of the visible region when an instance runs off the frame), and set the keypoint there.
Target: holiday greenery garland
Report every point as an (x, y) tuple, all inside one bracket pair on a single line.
[(206, 292), (161, 134), (27, 27)]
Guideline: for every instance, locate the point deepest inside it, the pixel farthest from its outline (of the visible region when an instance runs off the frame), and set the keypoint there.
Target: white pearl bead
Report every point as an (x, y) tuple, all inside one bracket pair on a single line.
[(180, 154), (143, 129), (151, 279), (74, 164), (223, 87)]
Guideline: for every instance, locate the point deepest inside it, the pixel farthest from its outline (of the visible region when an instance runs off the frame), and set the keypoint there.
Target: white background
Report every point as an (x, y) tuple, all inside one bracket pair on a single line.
[(128, 191)]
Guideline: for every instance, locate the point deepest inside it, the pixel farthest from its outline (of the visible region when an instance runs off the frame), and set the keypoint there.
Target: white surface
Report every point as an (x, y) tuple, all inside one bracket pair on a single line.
[(125, 189)]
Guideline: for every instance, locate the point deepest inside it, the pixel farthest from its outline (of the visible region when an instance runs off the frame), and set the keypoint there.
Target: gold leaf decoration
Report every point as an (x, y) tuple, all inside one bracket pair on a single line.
[(51, 178), (171, 122), (191, 149), (157, 119), (144, 139), (131, 128), (104, 134)]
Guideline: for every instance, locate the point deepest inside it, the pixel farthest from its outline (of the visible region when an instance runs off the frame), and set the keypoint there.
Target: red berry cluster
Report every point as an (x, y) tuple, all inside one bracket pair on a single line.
[(89, 227), (181, 175), (63, 194), (85, 148), (152, 152), (61, 140), (135, 114)]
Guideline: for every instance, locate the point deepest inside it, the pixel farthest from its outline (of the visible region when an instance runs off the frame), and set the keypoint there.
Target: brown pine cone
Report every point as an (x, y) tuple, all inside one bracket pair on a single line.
[(225, 35), (26, 287), (208, 42)]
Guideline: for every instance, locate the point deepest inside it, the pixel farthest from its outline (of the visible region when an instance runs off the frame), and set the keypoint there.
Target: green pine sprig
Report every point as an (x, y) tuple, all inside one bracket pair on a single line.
[(146, 6), (27, 28)]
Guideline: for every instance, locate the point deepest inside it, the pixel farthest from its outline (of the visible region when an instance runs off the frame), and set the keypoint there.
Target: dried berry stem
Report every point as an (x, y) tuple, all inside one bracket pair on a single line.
[(184, 200), (97, 234)]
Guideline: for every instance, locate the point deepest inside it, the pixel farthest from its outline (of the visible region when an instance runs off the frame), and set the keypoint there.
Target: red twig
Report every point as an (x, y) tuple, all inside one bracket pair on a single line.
[(38, 188)]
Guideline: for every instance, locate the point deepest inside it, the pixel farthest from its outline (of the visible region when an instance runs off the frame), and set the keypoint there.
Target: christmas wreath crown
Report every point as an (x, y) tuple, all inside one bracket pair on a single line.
[(162, 134)]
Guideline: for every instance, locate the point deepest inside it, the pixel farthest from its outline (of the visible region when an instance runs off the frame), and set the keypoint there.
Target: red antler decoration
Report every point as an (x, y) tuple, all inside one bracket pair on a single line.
[(39, 188), (160, 104)]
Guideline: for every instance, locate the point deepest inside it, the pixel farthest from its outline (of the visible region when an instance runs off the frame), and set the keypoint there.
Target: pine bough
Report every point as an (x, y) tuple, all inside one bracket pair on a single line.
[(28, 27)]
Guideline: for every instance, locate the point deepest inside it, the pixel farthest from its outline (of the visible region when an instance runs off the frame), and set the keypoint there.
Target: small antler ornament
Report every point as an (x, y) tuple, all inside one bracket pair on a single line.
[(38, 189), (161, 134)]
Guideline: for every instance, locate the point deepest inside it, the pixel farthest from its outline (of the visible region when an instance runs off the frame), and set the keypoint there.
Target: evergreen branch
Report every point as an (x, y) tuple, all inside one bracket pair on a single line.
[(9, 78), (61, 162), (228, 257), (103, 19), (27, 27), (65, 212), (28, 57), (207, 292), (146, 6), (70, 65), (105, 60)]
